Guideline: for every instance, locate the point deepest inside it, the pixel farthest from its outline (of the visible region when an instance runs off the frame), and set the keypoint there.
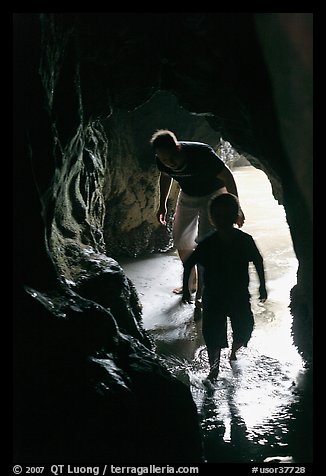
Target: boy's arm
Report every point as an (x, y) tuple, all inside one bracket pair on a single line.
[(259, 265)]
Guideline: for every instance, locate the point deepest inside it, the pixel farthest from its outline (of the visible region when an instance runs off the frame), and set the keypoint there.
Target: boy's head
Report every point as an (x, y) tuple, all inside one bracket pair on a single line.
[(224, 210)]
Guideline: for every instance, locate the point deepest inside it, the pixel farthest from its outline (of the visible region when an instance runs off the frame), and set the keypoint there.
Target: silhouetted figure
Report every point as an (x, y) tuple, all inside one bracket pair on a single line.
[(224, 257), (200, 174)]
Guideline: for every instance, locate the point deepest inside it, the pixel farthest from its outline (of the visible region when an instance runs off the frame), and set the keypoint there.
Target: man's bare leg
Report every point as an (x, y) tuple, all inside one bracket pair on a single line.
[(183, 255), (199, 289)]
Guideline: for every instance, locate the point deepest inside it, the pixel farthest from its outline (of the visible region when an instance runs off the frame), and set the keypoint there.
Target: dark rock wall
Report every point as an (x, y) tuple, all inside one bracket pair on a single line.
[(77, 318), (286, 40), (86, 393), (86, 187)]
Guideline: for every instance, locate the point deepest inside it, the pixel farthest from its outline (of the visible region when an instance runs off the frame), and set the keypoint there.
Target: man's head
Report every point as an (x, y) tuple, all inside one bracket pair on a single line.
[(163, 138), (224, 210), (167, 148)]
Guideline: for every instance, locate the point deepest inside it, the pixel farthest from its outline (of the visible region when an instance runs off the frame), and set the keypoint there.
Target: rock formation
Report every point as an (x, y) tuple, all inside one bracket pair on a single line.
[(87, 376)]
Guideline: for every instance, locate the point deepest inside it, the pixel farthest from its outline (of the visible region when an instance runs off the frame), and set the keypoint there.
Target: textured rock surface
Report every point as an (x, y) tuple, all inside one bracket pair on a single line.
[(84, 392)]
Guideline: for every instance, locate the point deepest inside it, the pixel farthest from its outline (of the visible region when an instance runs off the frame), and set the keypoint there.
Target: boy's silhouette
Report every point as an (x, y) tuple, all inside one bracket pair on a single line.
[(224, 257)]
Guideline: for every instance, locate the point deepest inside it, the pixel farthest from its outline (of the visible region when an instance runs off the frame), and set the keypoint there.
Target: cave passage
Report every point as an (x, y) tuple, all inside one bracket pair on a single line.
[(249, 414), (77, 78)]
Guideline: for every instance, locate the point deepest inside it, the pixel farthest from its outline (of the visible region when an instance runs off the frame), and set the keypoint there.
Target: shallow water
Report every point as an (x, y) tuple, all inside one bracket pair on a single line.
[(260, 405)]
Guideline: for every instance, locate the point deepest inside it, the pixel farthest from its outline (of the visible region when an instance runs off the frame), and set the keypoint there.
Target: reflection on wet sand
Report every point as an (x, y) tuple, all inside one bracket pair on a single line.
[(252, 411)]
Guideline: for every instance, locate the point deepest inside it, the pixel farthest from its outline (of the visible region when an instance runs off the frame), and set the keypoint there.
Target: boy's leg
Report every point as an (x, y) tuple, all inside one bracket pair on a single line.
[(242, 323), (235, 347), (214, 331)]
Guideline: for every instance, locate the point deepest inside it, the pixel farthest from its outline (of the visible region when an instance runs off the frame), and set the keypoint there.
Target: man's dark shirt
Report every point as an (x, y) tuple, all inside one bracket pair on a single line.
[(198, 176)]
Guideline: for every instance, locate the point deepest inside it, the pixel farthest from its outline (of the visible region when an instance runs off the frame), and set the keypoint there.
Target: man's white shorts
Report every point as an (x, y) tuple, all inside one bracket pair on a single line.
[(191, 221)]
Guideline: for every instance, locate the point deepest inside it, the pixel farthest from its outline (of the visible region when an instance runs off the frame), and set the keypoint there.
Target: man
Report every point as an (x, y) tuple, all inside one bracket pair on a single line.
[(201, 175)]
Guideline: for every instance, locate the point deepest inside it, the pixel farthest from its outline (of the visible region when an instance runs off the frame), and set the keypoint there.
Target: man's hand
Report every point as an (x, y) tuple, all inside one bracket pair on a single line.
[(161, 216)]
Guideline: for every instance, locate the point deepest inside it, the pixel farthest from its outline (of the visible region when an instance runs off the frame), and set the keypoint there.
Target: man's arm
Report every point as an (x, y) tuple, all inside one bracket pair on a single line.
[(227, 177), (165, 187)]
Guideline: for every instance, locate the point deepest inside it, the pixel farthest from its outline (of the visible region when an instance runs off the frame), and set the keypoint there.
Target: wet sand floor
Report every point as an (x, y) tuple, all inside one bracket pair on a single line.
[(261, 406), (255, 409)]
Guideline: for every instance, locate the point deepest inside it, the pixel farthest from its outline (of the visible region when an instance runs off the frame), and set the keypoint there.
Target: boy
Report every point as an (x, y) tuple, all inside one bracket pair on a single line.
[(224, 257)]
